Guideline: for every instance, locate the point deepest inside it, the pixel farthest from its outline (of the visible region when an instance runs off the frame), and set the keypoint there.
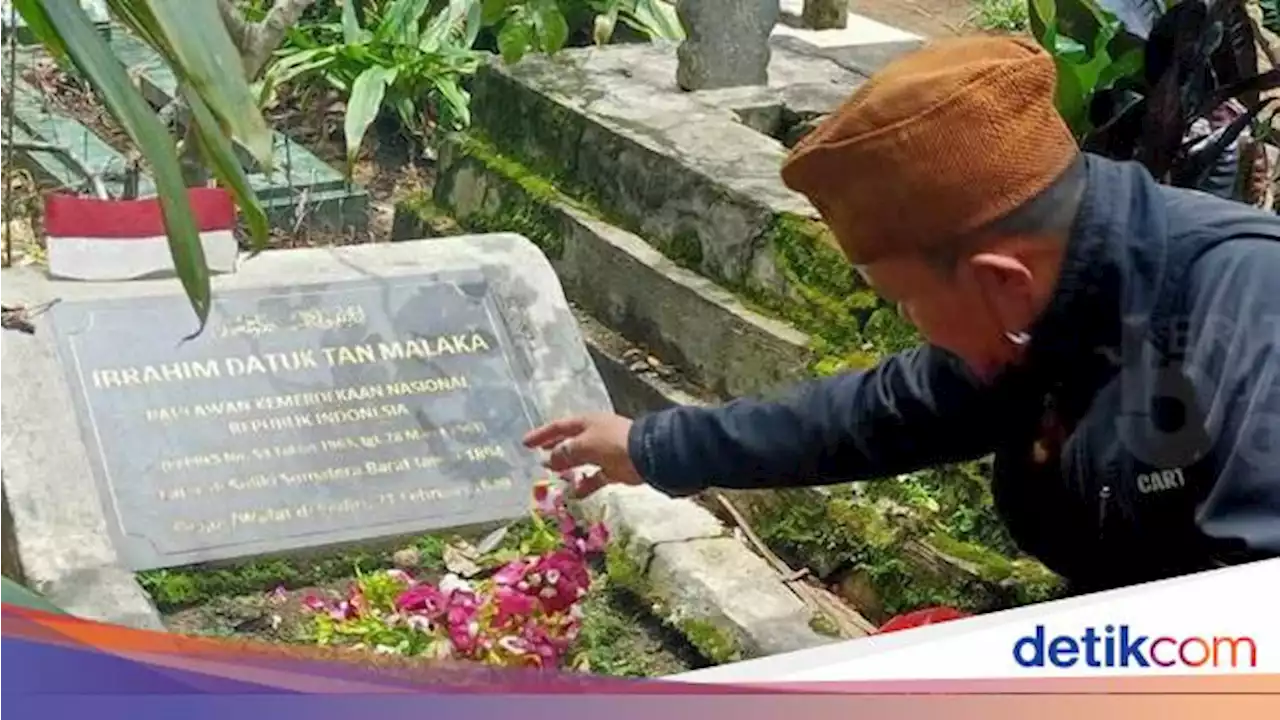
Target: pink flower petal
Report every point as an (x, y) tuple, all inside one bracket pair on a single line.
[(511, 573), (400, 576), (425, 599)]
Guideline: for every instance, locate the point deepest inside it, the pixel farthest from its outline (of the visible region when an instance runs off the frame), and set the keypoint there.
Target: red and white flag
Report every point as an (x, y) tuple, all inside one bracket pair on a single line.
[(105, 240)]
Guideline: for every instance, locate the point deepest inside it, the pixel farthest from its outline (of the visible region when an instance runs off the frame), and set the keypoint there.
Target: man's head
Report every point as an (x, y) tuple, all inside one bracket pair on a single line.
[(951, 183)]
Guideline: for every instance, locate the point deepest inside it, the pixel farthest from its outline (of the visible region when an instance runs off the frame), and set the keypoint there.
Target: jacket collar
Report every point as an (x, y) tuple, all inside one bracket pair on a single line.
[(1115, 258)]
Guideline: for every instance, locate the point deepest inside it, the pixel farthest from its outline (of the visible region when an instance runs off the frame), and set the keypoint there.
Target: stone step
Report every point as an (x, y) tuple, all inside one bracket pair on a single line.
[(626, 284), (300, 183)]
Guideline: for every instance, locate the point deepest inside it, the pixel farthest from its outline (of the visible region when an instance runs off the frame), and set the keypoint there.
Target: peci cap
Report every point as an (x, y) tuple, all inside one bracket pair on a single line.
[(936, 145)]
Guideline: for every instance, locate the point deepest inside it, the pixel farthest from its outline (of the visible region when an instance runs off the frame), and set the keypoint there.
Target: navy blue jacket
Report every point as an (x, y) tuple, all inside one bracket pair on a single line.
[(1152, 382)]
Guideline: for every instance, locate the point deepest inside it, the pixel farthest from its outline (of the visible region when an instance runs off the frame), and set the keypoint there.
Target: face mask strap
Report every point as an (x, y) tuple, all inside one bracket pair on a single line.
[(1018, 338)]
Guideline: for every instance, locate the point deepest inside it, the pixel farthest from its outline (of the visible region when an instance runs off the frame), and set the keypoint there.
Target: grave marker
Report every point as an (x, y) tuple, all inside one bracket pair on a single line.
[(299, 417), (727, 43), (337, 395)]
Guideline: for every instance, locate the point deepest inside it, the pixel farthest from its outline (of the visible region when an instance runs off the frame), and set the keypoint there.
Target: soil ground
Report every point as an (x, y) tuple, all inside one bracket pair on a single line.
[(930, 18)]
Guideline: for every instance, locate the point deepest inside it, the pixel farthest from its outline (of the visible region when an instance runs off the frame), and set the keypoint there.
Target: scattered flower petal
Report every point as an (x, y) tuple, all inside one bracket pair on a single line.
[(526, 613), (400, 576), (425, 599), (451, 583)]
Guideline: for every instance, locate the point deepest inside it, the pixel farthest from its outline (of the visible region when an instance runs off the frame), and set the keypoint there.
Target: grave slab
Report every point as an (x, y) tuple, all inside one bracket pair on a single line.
[(864, 58), (78, 149), (685, 318), (828, 26), (322, 411)]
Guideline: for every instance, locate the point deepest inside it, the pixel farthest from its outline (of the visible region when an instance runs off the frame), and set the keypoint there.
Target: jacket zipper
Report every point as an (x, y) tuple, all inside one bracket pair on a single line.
[(1104, 500)]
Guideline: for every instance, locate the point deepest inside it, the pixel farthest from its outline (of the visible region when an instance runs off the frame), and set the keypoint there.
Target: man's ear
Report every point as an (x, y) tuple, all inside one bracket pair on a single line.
[(1000, 273), (1008, 286)]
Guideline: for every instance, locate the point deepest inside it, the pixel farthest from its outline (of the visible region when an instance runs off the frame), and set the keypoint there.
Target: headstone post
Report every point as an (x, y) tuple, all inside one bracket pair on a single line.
[(825, 14), (726, 43)]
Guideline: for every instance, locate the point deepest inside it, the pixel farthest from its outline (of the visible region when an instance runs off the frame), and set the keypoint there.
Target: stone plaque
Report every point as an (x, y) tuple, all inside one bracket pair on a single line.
[(301, 416)]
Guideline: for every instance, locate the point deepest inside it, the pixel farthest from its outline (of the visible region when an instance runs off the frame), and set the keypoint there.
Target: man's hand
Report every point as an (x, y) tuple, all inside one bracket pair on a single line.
[(599, 440)]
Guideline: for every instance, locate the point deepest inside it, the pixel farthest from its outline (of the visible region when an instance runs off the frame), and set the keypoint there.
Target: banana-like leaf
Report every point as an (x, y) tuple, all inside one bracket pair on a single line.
[(550, 26), (209, 62), (602, 29), (352, 33), (492, 11), (39, 26), (290, 67), (458, 20), (402, 21), (474, 21), (70, 30), (656, 19), (366, 99)]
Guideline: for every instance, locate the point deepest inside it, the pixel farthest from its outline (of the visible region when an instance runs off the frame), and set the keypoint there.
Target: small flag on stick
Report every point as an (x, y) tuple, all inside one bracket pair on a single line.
[(108, 240)]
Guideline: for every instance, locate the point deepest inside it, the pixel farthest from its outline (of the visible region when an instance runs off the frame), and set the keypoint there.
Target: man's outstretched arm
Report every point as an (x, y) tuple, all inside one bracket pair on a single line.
[(916, 409)]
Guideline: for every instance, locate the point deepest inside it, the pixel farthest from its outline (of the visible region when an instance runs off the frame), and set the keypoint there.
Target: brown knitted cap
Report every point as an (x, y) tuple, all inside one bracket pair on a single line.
[(936, 145)]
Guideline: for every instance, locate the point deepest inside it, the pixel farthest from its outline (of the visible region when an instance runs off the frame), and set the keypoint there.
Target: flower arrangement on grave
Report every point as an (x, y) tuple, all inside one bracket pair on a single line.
[(524, 610)]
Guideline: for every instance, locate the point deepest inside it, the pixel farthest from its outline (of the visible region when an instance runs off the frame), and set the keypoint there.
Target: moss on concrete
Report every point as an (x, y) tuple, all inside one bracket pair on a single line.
[(711, 641), (822, 624), (837, 535), (825, 298), (988, 565), (684, 250), (513, 198), (625, 572), (715, 644), (903, 587)]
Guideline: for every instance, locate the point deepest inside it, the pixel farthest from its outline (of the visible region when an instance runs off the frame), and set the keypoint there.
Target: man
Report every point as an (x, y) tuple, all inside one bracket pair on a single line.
[(1112, 341)]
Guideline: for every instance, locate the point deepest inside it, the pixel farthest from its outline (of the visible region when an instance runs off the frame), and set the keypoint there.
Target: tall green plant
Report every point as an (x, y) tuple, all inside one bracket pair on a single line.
[(398, 55), (191, 39), (1092, 50), (524, 26)]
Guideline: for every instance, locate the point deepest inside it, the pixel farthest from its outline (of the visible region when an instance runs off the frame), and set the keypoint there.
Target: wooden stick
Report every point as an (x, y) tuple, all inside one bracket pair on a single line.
[(849, 622)]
